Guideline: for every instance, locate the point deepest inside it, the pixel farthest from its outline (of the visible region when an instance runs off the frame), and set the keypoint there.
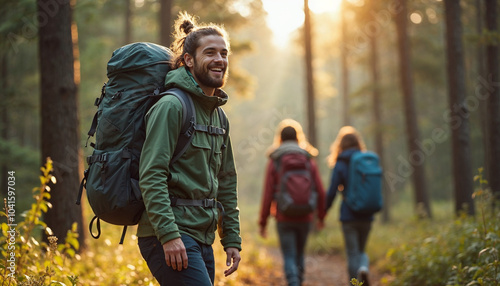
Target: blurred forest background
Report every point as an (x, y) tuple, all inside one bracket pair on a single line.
[(418, 78)]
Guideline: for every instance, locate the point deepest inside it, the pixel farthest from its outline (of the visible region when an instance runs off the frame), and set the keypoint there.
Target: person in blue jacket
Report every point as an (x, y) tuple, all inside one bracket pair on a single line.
[(355, 227)]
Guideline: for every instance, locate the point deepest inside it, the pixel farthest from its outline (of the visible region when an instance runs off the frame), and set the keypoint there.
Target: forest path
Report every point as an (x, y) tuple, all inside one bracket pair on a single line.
[(321, 270)]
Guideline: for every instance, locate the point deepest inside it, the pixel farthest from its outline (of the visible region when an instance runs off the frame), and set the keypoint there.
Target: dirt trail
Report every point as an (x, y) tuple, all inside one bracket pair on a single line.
[(321, 270)]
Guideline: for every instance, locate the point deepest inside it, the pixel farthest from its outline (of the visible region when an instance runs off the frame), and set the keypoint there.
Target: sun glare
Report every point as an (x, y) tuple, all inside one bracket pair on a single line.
[(286, 16)]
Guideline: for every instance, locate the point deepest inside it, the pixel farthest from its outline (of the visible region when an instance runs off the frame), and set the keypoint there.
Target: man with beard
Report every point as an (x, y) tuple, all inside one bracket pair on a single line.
[(188, 201)]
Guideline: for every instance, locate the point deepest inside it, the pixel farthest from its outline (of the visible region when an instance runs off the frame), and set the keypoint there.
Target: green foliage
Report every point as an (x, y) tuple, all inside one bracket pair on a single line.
[(25, 259), (17, 27), (11, 153), (355, 282), (463, 253)]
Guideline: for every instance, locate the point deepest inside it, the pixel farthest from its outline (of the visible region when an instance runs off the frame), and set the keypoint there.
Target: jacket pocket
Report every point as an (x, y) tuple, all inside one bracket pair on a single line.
[(207, 146)]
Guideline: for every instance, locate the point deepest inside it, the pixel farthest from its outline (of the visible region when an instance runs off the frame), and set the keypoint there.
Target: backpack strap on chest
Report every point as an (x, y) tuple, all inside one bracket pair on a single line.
[(188, 121), (210, 129), (189, 125)]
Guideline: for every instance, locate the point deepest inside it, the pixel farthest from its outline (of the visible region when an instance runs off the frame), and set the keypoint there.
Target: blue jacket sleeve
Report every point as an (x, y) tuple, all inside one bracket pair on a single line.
[(337, 179)]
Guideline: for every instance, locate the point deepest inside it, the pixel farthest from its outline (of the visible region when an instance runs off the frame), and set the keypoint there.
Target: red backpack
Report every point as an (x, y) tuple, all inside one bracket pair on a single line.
[(296, 193)]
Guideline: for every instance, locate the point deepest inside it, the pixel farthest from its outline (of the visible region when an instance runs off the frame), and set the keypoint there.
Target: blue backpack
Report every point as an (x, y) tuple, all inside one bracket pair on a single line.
[(364, 190)]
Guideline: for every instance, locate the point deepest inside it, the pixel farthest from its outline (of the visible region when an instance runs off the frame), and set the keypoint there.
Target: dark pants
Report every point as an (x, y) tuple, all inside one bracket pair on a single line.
[(355, 238), (201, 266), (293, 237)]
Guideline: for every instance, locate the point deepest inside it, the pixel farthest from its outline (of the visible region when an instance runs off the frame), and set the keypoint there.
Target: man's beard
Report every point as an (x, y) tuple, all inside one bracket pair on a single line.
[(205, 79)]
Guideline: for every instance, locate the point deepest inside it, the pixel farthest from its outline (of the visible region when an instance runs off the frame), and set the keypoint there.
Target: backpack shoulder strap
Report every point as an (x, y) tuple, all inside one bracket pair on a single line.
[(277, 163), (188, 122), (224, 124)]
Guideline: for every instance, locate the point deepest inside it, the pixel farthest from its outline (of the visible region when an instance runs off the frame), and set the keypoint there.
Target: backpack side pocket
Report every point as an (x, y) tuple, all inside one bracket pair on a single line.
[(113, 196)]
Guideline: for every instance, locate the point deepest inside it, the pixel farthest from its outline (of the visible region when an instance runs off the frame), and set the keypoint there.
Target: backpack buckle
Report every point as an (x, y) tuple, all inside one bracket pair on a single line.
[(208, 203), (190, 130), (214, 130)]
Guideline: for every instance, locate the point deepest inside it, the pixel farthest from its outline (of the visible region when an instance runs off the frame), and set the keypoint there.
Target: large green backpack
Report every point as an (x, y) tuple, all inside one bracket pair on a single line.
[(136, 75)]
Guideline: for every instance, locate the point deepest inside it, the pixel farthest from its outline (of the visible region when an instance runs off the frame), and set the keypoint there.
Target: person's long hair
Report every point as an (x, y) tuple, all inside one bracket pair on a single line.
[(347, 138), (301, 137)]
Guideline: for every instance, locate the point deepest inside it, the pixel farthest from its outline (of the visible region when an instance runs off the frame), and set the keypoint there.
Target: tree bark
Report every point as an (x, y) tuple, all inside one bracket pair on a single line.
[(493, 101), (311, 115), (165, 22), (4, 117), (346, 120), (415, 158), (459, 114), (481, 72), (377, 118), (59, 114)]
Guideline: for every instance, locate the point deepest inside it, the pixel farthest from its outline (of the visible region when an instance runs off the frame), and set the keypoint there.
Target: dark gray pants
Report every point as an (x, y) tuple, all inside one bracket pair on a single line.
[(293, 238), (355, 239)]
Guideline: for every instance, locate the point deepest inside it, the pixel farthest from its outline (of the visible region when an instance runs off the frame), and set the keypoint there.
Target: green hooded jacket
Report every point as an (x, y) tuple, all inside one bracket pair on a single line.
[(205, 170)]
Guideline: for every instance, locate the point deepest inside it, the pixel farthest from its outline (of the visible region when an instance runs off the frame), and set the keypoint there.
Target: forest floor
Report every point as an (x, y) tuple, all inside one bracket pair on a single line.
[(321, 270)]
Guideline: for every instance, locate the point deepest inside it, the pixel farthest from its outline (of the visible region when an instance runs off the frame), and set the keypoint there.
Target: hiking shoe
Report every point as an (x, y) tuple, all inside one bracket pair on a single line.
[(363, 276)]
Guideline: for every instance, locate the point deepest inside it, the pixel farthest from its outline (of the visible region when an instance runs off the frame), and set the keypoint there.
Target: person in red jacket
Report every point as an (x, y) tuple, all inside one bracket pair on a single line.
[(293, 226)]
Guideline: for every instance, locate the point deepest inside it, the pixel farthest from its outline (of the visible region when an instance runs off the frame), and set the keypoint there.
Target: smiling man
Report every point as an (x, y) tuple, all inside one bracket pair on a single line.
[(187, 201)]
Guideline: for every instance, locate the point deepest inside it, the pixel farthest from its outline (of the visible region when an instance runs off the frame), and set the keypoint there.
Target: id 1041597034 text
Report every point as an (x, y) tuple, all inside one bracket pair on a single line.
[(11, 223)]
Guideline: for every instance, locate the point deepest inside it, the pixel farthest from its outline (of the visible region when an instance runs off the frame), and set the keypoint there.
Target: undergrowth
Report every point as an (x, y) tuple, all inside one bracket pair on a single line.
[(463, 253), (26, 260)]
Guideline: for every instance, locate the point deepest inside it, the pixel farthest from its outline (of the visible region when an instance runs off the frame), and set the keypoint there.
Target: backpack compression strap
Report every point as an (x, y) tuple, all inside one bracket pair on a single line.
[(93, 127)]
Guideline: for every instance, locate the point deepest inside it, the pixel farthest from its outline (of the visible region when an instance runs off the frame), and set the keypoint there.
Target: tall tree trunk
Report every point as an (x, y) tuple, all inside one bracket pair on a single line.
[(480, 66), (459, 113), (59, 114), (165, 22), (416, 159), (493, 101), (344, 66), (377, 118), (311, 116), (128, 22), (4, 117)]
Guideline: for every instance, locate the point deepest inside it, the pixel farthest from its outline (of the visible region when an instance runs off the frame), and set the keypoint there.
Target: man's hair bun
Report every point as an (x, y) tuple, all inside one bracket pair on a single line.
[(186, 26)]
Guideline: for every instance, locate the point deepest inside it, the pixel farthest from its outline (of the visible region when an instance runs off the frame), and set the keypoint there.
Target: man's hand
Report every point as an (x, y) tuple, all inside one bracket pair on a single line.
[(175, 254), (234, 255)]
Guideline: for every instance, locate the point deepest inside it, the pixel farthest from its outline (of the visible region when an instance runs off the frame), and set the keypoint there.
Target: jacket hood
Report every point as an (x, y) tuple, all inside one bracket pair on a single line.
[(182, 79), (288, 147)]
